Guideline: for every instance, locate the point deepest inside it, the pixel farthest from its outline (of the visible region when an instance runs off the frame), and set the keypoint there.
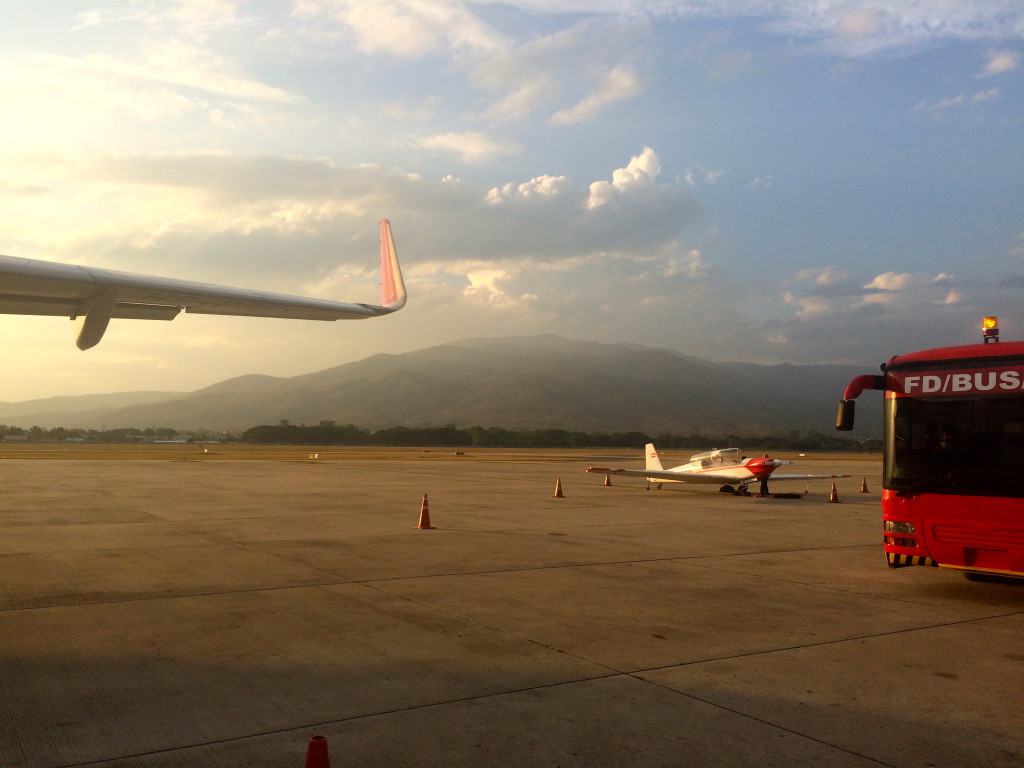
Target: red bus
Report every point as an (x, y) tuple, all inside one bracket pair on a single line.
[(953, 455)]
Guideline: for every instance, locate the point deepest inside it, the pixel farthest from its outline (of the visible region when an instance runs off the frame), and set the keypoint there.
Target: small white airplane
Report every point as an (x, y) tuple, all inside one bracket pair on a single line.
[(724, 467), (94, 296)]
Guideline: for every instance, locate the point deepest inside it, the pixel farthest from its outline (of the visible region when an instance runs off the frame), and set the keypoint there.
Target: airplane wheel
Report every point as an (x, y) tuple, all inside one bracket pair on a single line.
[(727, 489)]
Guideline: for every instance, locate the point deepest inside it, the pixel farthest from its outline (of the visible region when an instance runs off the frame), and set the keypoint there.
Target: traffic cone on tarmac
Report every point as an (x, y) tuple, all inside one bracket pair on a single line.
[(316, 753), (558, 489), (833, 497), (424, 523), (607, 479), (864, 486)]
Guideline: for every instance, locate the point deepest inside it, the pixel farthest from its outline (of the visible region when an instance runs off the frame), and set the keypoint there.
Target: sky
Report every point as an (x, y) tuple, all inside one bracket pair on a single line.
[(769, 181)]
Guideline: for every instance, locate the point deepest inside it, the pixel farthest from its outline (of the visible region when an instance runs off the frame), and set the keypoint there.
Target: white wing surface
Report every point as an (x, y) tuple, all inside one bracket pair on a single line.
[(95, 296), (668, 475), (804, 477)]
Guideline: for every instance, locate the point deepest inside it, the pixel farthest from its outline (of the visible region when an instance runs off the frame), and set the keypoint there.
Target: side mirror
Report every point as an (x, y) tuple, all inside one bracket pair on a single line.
[(845, 414)]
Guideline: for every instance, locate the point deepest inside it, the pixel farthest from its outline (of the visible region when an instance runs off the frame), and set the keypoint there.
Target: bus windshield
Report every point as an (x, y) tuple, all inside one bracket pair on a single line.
[(955, 445)]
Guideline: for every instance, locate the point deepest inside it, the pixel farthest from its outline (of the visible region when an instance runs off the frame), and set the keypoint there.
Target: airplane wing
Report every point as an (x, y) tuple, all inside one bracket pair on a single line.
[(693, 477), (775, 477), (666, 475), (95, 296)]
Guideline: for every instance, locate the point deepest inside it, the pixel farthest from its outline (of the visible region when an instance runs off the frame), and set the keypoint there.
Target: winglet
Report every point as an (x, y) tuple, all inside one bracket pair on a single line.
[(392, 287)]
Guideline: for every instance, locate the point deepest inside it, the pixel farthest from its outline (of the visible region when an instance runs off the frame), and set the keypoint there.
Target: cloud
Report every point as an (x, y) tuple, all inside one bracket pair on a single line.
[(618, 84), (850, 28), (1000, 62), (960, 100), (301, 224), (174, 63), (488, 285), (825, 277), (540, 186), (860, 23), (809, 307), (869, 27), (638, 174), (896, 286), (694, 177), (471, 147), (522, 100), (408, 28)]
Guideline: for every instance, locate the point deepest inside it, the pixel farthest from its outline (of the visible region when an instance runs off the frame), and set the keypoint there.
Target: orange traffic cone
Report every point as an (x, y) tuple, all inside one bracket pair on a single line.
[(424, 515), (864, 486), (316, 753), (833, 497), (607, 479), (558, 489)]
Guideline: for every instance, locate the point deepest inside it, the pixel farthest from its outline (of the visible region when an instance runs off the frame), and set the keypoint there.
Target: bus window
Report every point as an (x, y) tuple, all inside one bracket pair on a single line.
[(971, 446)]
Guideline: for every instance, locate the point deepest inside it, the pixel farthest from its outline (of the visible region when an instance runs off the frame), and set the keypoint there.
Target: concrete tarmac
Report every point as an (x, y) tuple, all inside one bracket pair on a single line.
[(184, 607)]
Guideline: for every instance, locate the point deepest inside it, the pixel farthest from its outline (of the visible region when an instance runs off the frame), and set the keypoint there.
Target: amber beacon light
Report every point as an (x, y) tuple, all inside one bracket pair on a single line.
[(990, 329)]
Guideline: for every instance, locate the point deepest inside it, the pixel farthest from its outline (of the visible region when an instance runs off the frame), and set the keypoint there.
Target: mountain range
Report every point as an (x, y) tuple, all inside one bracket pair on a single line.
[(517, 383)]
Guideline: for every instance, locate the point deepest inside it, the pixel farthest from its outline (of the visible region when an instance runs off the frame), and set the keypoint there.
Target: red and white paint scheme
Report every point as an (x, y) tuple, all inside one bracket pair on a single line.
[(725, 467), (952, 449), (95, 296)]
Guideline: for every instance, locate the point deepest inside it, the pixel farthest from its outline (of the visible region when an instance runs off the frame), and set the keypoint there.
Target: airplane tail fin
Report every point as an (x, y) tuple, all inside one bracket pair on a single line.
[(653, 462), (392, 286)]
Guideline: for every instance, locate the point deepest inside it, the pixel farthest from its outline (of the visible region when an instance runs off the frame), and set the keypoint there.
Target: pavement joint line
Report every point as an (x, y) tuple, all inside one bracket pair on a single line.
[(768, 723), (307, 727), (821, 643)]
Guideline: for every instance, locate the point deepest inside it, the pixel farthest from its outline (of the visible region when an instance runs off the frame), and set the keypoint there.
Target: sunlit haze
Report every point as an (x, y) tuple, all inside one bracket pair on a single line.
[(759, 180)]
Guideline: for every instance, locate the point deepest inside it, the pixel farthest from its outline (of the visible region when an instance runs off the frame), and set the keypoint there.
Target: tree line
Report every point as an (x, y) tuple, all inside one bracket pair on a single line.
[(64, 435), (331, 433)]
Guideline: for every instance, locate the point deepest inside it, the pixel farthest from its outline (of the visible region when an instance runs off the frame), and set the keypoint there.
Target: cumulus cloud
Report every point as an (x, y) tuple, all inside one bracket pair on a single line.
[(892, 281), (490, 285), (638, 174), (809, 307), (900, 286), (307, 225), (824, 276), (540, 186)]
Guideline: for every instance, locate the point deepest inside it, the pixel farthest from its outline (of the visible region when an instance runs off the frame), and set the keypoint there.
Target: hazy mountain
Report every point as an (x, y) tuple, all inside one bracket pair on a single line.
[(78, 406), (516, 383)]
